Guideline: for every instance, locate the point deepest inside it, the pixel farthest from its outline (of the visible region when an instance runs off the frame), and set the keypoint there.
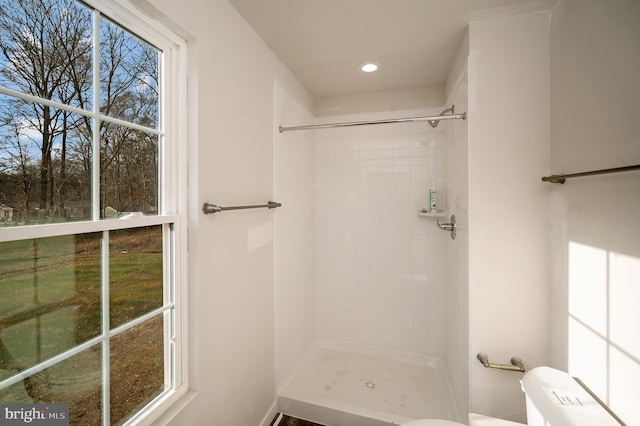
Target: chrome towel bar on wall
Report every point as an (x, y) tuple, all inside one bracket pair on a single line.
[(208, 208), (561, 178)]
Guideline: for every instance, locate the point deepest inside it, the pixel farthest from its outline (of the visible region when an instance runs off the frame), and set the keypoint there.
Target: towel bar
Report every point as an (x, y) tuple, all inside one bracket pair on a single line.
[(208, 208)]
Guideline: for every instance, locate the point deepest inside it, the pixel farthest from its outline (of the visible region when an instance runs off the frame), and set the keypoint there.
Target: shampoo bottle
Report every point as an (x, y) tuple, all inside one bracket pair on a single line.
[(432, 198)]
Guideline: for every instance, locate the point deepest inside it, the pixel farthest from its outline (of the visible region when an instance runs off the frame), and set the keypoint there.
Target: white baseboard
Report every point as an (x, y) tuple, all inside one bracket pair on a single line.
[(268, 418)]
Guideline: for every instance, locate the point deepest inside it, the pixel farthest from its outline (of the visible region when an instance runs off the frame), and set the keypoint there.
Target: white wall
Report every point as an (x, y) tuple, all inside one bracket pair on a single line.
[(385, 102), (457, 172), (294, 234), (380, 269), (508, 127), (232, 77), (595, 64)]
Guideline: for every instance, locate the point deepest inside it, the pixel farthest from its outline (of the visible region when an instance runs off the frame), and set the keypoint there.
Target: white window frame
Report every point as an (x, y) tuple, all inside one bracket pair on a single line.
[(172, 203)]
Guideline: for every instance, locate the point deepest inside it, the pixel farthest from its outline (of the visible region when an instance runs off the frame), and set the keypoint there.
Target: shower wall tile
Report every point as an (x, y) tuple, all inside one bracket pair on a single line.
[(380, 269)]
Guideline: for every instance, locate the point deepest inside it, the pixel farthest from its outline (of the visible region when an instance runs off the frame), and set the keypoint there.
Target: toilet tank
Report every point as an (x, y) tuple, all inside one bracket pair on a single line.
[(554, 398)]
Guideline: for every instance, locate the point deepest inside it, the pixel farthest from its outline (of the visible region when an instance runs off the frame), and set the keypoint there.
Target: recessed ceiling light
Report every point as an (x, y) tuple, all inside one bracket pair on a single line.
[(369, 67)]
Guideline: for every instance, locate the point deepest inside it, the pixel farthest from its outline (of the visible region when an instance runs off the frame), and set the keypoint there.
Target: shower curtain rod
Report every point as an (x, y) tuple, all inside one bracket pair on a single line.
[(433, 120)]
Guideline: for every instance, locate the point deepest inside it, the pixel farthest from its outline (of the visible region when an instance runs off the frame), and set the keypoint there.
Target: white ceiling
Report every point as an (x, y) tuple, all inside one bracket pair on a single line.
[(415, 41)]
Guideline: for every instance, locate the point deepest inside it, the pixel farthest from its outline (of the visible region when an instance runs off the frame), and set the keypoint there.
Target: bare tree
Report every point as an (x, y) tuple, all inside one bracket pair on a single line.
[(20, 162), (46, 51), (129, 70), (45, 47)]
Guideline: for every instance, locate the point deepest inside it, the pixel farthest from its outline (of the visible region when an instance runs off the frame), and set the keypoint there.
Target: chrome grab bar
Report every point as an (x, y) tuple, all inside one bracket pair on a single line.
[(516, 363), (208, 208)]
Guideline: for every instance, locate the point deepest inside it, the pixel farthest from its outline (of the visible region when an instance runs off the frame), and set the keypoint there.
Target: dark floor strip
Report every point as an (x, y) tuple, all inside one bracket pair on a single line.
[(292, 421)]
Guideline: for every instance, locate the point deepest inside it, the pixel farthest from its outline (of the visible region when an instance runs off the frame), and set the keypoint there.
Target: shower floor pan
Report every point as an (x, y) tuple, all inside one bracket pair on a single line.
[(346, 384)]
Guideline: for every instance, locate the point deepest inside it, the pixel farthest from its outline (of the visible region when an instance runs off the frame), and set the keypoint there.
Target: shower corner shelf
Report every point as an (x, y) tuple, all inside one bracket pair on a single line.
[(437, 214)]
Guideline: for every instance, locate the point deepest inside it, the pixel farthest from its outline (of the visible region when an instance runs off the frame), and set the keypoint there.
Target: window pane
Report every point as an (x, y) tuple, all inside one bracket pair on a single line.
[(137, 368), (129, 172), (50, 297), (128, 76), (135, 273), (45, 164), (45, 49), (58, 167), (76, 381)]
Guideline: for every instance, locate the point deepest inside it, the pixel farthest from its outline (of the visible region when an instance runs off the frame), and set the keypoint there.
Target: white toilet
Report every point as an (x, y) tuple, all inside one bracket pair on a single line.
[(474, 420), (553, 397)]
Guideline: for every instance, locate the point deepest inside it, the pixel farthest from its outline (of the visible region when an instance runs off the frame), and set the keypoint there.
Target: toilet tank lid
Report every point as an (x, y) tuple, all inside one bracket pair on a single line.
[(562, 401)]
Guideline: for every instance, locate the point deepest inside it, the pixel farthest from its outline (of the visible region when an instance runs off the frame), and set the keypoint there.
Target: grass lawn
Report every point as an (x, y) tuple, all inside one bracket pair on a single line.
[(52, 300)]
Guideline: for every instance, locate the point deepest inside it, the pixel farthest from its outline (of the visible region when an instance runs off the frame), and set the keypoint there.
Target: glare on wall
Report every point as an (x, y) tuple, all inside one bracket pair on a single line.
[(603, 346)]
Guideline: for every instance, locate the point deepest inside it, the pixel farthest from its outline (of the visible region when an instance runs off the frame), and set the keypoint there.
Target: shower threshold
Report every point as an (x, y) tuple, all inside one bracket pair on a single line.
[(345, 384)]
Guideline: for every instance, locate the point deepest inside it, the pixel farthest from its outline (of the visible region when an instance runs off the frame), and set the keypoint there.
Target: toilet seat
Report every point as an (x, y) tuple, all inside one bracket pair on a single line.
[(432, 422)]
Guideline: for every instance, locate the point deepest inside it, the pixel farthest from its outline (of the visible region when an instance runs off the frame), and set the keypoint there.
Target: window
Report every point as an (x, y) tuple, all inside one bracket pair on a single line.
[(92, 223)]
